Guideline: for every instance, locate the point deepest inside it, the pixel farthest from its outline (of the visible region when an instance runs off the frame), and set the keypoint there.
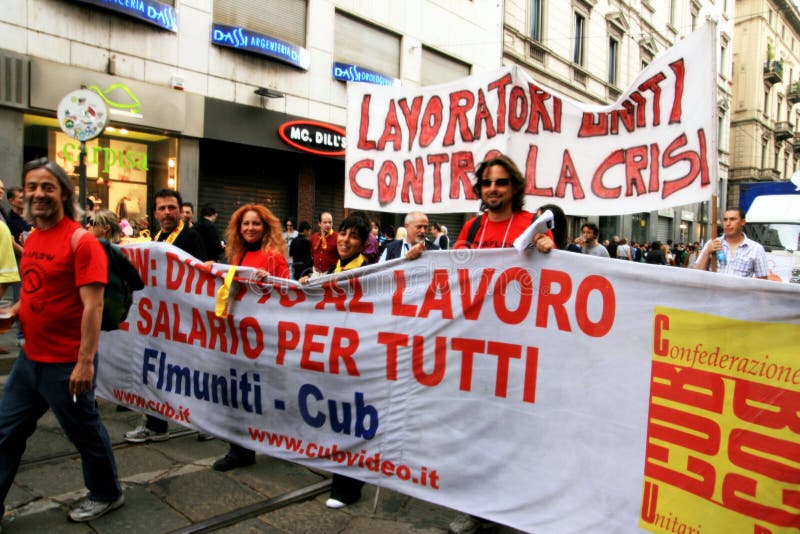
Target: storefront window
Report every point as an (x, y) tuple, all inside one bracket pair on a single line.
[(124, 167)]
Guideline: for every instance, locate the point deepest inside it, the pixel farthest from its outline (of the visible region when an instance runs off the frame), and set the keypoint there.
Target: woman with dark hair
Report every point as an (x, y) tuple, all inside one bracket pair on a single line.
[(559, 231), (350, 242), (655, 255), (255, 239)]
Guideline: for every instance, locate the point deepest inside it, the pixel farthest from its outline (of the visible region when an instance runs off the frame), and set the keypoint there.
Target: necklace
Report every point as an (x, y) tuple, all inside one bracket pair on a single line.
[(505, 235)]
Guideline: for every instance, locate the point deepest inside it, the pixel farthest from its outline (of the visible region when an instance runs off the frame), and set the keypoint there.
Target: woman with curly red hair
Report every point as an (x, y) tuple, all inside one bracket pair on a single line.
[(255, 239)]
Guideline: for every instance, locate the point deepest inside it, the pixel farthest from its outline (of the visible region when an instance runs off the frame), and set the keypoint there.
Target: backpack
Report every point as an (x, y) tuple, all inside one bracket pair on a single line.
[(123, 280)]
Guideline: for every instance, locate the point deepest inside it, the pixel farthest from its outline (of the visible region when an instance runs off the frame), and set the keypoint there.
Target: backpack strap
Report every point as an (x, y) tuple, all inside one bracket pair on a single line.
[(76, 237), (473, 230)]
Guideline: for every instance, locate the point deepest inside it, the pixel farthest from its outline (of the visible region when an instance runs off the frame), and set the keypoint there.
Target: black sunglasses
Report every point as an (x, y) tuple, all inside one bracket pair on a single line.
[(500, 182)]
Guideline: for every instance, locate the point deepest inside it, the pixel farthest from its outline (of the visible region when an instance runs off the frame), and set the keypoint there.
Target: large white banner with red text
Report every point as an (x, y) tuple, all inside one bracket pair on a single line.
[(656, 147), (552, 393)]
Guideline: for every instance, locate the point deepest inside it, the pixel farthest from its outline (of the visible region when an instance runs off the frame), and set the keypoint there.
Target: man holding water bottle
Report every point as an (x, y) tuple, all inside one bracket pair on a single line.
[(736, 254)]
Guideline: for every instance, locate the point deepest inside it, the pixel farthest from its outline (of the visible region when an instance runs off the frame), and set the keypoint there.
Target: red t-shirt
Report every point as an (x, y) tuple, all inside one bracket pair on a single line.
[(271, 261), (51, 308), (324, 258), (495, 234)]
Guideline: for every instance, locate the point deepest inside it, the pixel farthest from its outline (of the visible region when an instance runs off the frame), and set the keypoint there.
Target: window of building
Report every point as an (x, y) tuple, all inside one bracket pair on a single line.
[(786, 165), (766, 102), (536, 20), (672, 12), (440, 68), (764, 155), (579, 29), (723, 57), (777, 157), (123, 166), (360, 43), (284, 19), (613, 60), (779, 109)]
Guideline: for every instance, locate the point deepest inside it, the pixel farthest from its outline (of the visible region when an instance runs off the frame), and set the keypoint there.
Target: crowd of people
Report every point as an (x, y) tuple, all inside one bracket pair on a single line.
[(56, 366)]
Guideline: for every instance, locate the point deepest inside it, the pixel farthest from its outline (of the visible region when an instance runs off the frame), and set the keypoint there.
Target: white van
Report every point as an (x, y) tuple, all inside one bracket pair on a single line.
[(774, 221)]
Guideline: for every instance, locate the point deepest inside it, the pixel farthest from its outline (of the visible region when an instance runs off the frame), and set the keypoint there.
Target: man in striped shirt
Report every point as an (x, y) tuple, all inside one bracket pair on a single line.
[(743, 256)]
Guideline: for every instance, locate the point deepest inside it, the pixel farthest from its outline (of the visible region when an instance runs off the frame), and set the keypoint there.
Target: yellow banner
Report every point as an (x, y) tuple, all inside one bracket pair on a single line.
[(723, 434)]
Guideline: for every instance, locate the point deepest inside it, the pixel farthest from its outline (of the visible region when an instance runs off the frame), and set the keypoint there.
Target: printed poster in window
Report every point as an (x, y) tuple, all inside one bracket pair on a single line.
[(68, 154), (130, 161)]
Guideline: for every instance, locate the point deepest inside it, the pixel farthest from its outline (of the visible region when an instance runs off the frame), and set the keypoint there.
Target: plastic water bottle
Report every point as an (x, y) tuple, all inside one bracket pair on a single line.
[(722, 259)]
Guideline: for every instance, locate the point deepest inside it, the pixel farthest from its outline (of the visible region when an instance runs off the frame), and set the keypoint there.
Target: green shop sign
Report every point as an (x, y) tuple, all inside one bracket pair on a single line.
[(126, 159)]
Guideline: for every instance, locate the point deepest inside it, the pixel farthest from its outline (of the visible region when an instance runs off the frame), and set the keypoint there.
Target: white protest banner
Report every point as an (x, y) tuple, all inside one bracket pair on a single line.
[(417, 148), (549, 392)]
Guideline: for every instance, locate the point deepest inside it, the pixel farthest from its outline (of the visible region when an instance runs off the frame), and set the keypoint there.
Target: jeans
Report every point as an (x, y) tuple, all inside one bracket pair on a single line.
[(30, 390)]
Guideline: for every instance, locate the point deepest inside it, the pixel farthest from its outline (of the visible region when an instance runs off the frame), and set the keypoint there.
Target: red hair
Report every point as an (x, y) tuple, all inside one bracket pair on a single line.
[(273, 233)]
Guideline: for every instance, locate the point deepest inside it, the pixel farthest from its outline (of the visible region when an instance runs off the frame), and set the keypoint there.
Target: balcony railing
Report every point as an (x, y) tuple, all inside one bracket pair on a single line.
[(773, 72), (793, 94), (783, 130)]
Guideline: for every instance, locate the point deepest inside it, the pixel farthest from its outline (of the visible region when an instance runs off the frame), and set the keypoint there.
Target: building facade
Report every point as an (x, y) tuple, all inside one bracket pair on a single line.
[(226, 101), (592, 50), (765, 122)]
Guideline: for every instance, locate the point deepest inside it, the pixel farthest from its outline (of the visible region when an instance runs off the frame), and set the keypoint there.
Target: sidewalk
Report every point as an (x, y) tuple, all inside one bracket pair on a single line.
[(170, 487)]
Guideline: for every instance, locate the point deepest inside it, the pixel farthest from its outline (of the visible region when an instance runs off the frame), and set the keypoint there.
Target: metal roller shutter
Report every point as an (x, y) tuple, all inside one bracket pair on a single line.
[(231, 181), (285, 19), (664, 229)]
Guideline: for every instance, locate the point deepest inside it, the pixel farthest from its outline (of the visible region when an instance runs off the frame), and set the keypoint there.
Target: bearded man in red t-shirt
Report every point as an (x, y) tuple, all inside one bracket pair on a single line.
[(501, 188), (64, 272)]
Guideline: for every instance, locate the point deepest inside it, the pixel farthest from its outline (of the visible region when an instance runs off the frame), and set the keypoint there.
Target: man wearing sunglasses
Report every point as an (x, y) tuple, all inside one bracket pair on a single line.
[(64, 273), (501, 188)]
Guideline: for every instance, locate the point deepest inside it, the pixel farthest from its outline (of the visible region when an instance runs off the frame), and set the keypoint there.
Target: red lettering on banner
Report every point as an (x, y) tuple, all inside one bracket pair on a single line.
[(524, 284), (651, 84), (363, 192), (471, 305), (461, 102), (392, 340), (418, 361), (518, 108), (387, 190), (679, 69), (468, 348), (671, 158), (140, 259), (636, 160), (310, 346), (363, 142), (413, 176), (749, 399), (500, 86), (411, 116), (569, 176), (483, 117), (608, 311), (198, 335), (436, 160), (531, 372), (356, 304), (344, 344), (288, 339), (461, 166), (437, 296), (557, 300), (660, 345), (504, 352), (615, 158), (736, 488), (392, 134), (539, 112), (530, 175), (398, 307), (332, 294), (431, 121), (290, 296)]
